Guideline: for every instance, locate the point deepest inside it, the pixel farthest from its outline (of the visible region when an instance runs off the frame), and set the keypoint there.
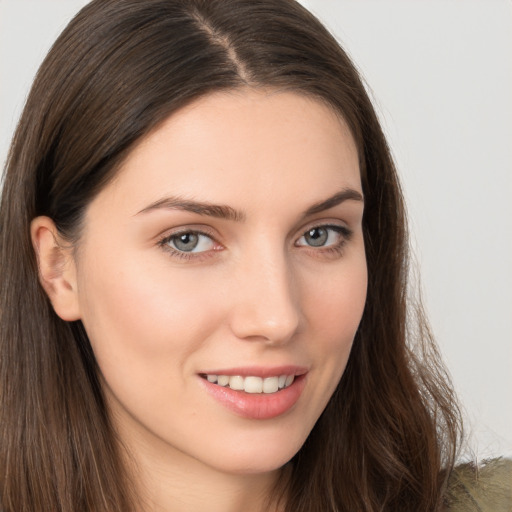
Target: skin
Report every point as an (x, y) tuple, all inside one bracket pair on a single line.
[(256, 292)]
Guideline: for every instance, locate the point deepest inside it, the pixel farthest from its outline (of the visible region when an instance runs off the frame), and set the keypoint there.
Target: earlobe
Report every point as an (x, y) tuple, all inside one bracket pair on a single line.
[(57, 269)]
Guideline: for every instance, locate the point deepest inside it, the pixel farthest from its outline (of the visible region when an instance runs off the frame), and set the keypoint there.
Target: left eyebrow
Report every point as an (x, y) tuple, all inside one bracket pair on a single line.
[(345, 195), (211, 210)]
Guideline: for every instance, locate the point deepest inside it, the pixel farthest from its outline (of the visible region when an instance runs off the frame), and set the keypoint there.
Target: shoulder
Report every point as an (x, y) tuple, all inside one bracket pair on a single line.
[(483, 488)]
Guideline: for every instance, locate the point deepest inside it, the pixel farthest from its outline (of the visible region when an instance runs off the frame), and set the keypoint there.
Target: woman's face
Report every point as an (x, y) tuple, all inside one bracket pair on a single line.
[(228, 248)]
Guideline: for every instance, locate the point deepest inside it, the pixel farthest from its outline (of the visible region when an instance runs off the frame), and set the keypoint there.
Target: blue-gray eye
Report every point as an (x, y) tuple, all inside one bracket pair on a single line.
[(322, 236), (190, 241), (316, 237)]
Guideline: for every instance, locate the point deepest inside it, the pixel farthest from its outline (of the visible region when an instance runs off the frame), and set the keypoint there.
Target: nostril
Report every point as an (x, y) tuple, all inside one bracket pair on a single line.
[(256, 326)]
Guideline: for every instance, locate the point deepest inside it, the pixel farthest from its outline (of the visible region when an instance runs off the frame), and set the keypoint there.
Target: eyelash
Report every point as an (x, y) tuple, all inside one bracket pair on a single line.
[(183, 255), (335, 249)]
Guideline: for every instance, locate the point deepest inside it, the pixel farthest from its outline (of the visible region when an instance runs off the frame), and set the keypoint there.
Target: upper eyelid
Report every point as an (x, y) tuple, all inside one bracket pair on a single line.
[(170, 233), (332, 226), (344, 231), (210, 232), (324, 223)]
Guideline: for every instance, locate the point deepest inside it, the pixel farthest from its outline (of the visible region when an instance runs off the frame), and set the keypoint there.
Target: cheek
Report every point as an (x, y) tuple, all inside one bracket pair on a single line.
[(335, 302), (143, 320), (146, 325), (334, 308)]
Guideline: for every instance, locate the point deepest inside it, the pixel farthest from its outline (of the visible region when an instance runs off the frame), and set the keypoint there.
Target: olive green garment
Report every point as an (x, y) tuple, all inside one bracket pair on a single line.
[(485, 488)]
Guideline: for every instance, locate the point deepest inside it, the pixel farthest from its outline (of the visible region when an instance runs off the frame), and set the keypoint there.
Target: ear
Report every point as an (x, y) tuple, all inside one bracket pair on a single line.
[(57, 268)]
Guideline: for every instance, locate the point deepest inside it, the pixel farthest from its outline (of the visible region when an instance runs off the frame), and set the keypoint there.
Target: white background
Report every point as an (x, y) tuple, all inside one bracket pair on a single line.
[(441, 76)]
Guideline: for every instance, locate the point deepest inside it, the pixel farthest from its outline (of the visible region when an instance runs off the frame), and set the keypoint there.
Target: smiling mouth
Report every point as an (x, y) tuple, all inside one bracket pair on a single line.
[(251, 384)]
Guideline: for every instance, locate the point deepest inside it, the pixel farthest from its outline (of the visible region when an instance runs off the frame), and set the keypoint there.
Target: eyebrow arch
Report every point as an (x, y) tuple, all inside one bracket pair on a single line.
[(345, 195), (228, 213), (202, 208)]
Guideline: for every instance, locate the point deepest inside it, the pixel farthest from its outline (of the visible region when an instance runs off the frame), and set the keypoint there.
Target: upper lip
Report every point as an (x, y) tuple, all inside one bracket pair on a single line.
[(258, 371)]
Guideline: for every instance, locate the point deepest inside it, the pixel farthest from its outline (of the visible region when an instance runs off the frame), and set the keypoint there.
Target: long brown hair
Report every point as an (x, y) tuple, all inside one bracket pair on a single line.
[(120, 68)]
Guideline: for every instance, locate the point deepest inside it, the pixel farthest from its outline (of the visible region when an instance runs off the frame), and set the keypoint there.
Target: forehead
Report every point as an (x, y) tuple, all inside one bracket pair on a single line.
[(246, 147)]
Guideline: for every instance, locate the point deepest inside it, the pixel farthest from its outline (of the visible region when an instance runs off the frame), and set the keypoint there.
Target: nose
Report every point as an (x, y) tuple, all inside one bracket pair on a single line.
[(266, 301)]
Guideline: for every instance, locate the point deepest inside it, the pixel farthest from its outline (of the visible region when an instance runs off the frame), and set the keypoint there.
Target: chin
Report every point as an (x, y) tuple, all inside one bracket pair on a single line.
[(260, 456)]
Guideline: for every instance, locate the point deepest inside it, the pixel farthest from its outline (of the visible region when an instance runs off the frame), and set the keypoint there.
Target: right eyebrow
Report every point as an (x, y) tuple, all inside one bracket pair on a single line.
[(219, 211), (338, 198)]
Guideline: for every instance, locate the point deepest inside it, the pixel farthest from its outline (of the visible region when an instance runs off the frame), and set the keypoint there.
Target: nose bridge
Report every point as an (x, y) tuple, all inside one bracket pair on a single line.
[(267, 301)]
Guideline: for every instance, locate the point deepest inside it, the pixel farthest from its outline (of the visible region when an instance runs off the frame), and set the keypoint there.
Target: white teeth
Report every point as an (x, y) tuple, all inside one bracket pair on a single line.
[(236, 383), (222, 380), (252, 384), (270, 384)]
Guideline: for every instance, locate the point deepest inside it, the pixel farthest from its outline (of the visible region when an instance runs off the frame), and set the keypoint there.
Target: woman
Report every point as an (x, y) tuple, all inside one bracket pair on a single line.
[(205, 302)]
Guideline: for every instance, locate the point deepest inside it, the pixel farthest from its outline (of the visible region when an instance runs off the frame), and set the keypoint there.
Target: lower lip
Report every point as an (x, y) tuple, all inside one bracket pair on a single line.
[(257, 406)]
